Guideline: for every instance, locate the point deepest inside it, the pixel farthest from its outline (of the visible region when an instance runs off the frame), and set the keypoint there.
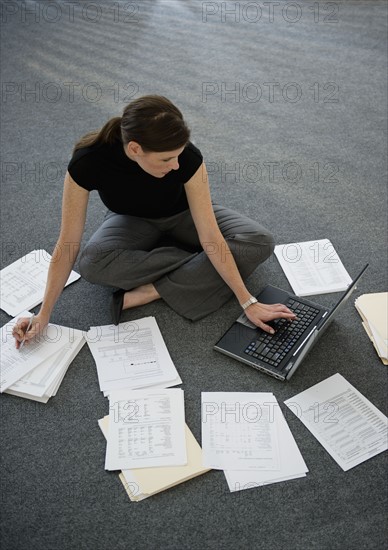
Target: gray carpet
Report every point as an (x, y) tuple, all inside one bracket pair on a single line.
[(289, 109)]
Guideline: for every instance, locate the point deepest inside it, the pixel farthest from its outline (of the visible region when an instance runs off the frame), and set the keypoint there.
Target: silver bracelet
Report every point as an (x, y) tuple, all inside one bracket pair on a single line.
[(252, 300)]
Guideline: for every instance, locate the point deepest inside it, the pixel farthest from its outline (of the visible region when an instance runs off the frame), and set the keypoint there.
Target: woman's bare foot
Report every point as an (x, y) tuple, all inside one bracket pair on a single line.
[(139, 296)]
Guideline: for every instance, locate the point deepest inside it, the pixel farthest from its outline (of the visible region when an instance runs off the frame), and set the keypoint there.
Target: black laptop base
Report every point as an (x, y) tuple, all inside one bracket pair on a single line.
[(273, 354)]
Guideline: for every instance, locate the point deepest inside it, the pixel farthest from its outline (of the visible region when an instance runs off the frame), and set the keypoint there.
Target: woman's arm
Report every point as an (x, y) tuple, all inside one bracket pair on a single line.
[(74, 206), (214, 244)]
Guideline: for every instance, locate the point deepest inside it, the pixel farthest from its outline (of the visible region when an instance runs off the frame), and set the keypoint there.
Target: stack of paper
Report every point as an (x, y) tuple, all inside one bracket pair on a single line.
[(246, 435), (348, 425), (148, 440), (373, 309), (37, 369), (131, 355), (23, 282), (312, 267)]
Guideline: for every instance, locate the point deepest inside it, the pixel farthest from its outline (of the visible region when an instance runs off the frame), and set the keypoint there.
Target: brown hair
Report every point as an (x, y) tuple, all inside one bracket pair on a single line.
[(152, 121)]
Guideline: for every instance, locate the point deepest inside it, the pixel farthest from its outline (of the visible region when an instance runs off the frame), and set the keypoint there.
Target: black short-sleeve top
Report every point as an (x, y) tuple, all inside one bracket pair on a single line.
[(125, 188)]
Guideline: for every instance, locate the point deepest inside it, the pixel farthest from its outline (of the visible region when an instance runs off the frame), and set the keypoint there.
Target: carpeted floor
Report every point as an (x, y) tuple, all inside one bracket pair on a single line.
[(287, 102)]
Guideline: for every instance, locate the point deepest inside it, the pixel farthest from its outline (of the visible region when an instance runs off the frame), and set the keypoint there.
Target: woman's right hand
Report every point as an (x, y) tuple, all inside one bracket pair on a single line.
[(259, 314), (39, 323)]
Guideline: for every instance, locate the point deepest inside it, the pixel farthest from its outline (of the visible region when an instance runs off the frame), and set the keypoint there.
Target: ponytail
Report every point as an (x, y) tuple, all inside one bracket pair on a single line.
[(110, 132), (152, 121)]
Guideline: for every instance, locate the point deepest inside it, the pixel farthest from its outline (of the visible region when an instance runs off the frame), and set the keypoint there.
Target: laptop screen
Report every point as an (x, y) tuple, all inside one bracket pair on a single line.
[(344, 298)]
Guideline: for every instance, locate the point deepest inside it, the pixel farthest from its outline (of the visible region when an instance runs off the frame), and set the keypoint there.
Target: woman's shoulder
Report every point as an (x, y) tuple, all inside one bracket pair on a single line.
[(91, 152), (88, 166), (189, 161), (193, 151)]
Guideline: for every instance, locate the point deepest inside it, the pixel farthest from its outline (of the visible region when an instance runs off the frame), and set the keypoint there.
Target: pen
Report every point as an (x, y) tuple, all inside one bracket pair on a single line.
[(27, 329)]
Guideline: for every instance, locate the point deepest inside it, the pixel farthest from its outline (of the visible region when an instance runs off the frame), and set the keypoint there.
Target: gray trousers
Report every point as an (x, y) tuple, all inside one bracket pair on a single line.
[(127, 251)]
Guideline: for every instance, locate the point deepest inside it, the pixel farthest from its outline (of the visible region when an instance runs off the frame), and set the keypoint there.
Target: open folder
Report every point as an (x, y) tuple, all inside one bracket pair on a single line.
[(373, 309), (141, 483)]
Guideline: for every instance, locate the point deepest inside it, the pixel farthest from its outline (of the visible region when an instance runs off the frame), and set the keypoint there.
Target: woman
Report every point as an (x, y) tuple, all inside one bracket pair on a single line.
[(161, 237)]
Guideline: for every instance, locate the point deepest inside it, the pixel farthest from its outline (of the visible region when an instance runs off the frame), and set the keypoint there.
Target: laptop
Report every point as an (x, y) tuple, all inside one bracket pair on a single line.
[(279, 355)]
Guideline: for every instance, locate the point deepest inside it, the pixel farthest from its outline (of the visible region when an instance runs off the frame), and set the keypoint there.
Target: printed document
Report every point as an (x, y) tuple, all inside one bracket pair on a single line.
[(146, 429), (292, 464), (44, 380), (238, 431), (348, 425), (16, 364), (130, 355), (312, 267), (23, 282)]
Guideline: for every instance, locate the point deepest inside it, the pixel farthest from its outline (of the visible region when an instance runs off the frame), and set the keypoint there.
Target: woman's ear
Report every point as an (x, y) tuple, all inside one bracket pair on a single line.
[(134, 149)]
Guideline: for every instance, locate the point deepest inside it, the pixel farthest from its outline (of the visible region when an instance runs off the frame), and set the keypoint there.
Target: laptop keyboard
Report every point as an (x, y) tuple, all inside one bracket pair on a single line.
[(272, 348)]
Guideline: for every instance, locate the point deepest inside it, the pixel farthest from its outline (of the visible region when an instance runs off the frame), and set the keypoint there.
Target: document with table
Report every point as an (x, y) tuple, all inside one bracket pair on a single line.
[(291, 463), (312, 267), (146, 429), (131, 355), (348, 425), (23, 282), (246, 435)]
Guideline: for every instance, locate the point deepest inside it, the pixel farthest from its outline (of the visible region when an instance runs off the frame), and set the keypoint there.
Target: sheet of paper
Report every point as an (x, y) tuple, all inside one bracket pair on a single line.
[(348, 425), (312, 267), (44, 379), (146, 429), (16, 364), (23, 282), (140, 483), (292, 464), (237, 431), (131, 355)]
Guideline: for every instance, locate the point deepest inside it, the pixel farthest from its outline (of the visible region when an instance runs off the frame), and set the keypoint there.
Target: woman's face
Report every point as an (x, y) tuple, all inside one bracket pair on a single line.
[(155, 164)]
